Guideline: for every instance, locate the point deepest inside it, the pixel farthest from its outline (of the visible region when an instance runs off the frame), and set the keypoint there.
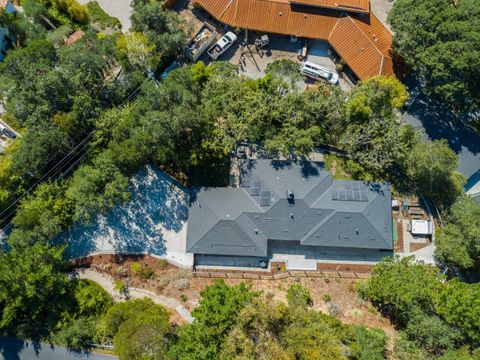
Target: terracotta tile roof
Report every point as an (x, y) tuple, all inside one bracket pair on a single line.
[(360, 39), (362, 6), (77, 35)]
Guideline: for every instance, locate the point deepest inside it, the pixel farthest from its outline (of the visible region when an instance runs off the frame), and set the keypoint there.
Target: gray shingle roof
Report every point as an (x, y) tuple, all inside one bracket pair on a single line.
[(229, 221)]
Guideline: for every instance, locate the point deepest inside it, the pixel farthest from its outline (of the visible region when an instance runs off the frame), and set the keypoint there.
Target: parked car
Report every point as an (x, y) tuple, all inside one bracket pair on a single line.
[(174, 65), (222, 45), (318, 72)]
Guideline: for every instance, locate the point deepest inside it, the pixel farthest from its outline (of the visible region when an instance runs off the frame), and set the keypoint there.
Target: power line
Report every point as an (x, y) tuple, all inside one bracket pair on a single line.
[(65, 160)]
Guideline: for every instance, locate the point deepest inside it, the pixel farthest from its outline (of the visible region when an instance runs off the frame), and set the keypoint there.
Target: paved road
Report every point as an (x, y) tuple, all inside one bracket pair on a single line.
[(15, 349), (437, 122)]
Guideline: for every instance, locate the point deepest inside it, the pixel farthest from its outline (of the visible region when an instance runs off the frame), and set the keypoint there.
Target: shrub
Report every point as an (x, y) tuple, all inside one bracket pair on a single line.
[(181, 284), (77, 334), (326, 297), (183, 298), (372, 342), (352, 287), (57, 36), (335, 309), (135, 268), (100, 17), (163, 283), (297, 295), (144, 272), (120, 286), (162, 264), (431, 333)]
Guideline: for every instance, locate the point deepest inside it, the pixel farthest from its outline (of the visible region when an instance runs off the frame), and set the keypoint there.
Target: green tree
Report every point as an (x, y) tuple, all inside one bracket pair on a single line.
[(399, 285), (431, 333), (144, 336), (32, 288), (432, 166), (372, 342), (214, 317), (439, 40), (41, 216), (374, 136), (162, 27), (459, 304), (138, 49), (458, 243)]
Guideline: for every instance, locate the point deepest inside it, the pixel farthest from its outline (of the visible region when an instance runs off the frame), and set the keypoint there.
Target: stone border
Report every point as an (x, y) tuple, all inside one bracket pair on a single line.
[(282, 275)]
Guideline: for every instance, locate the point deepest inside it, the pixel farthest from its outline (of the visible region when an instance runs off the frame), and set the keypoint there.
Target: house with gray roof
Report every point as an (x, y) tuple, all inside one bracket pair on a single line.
[(289, 211)]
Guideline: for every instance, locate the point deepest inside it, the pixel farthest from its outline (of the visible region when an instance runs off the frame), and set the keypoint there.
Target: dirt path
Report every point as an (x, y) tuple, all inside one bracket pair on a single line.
[(108, 285)]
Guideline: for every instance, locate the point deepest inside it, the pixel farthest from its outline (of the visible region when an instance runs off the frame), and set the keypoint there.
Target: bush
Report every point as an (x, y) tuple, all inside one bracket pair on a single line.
[(431, 333), (183, 298), (120, 286), (145, 272), (163, 283), (100, 17), (326, 297), (297, 295), (162, 264), (181, 284), (77, 334), (372, 342), (335, 309)]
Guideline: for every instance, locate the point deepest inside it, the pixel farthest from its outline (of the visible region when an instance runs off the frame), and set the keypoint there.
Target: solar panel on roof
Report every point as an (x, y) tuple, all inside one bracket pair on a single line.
[(342, 195), (354, 185), (265, 198), (255, 187)]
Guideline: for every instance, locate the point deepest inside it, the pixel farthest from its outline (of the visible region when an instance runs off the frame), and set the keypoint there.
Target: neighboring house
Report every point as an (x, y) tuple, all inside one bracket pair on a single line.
[(356, 34), (287, 211), (6, 39), (472, 188)]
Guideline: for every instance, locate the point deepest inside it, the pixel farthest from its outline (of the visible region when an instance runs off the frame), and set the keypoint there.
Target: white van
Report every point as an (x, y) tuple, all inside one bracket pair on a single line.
[(318, 72)]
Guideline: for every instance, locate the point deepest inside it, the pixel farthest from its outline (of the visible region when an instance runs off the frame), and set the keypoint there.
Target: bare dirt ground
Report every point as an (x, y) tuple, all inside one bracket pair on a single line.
[(173, 282)]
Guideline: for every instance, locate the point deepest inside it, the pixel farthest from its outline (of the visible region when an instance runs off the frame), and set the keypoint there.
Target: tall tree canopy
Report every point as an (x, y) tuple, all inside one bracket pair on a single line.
[(441, 40), (458, 243), (432, 166)]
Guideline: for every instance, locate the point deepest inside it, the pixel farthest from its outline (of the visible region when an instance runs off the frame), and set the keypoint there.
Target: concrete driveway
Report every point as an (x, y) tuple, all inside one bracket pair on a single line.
[(120, 9), (153, 222)]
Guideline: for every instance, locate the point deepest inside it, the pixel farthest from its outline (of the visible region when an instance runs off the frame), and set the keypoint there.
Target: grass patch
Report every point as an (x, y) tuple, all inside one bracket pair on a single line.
[(100, 17)]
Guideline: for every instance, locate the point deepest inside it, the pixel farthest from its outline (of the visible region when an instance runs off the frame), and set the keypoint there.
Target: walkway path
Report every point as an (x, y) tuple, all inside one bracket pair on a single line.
[(107, 283)]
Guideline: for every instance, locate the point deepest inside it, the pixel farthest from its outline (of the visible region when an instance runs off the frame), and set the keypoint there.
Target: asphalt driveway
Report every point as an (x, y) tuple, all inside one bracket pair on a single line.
[(16, 349), (436, 121)]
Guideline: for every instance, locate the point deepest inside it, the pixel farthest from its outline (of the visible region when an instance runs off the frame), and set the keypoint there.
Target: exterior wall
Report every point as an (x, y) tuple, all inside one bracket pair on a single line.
[(228, 261), (283, 249)]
